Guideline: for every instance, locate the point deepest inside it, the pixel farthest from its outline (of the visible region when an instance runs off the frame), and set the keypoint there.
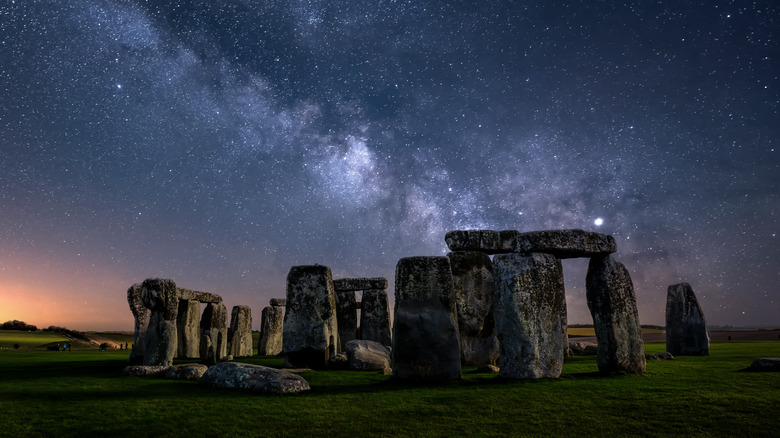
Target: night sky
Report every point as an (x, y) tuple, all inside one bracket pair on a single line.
[(219, 143)]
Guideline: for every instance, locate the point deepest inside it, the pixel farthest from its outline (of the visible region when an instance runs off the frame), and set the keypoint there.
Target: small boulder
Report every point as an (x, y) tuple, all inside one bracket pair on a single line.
[(186, 371), (253, 378), (766, 364), (144, 370), (367, 355), (578, 348)]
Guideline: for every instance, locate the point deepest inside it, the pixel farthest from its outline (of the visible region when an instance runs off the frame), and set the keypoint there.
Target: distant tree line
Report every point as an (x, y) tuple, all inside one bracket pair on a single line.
[(67, 332), (18, 325)]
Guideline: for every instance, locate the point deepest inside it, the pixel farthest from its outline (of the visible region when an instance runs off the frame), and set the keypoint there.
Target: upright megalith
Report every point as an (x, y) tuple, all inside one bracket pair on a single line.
[(472, 274), (240, 332), (141, 316), (271, 325), (686, 328), (346, 314), (611, 300), (425, 328), (310, 331), (213, 333), (161, 298), (530, 315), (188, 322), (375, 317)]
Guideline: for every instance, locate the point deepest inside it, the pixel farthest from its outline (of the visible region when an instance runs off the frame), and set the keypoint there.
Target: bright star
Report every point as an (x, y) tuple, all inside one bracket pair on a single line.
[(598, 222)]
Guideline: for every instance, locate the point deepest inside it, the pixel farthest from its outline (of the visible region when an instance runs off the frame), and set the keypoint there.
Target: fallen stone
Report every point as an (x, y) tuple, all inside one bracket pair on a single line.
[(253, 378), (145, 370), (203, 297), (310, 330), (188, 329), (686, 328), (565, 243), (141, 323), (278, 302), (161, 339), (425, 327), (764, 364), (213, 333), (530, 315), (579, 348), (367, 355), (346, 315), (187, 371), (356, 284), (375, 317), (271, 326), (339, 362), (472, 274), (612, 303), (659, 356), (487, 241)]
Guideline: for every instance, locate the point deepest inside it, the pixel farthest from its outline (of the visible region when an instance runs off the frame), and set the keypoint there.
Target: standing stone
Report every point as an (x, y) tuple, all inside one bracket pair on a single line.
[(160, 297), (310, 332), (213, 333), (610, 294), (425, 329), (141, 315), (346, 314), (240, 333), (375, 317), (686, 328), (472, 274), (188, 322), (271, 326), (530, 315)]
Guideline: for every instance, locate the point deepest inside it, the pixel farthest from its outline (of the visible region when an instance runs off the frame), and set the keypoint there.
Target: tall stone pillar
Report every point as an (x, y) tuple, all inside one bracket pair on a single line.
[(346, 313), (686, 328), (271, 326), (188, 322), (161, 298), (530, 315), (141, 316), (240, 333), (213, 333), (375, 317)]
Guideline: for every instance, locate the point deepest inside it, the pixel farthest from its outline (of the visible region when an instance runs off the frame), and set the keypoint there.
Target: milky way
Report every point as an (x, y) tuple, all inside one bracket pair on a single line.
[(219, 143)]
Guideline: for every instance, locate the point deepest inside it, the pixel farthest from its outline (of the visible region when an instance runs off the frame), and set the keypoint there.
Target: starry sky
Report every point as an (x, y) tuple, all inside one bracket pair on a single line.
[(218, 143)]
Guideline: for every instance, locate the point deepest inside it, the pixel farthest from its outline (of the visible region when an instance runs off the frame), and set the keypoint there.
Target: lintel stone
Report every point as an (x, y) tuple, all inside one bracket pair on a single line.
[(565, 244), (355, 284)]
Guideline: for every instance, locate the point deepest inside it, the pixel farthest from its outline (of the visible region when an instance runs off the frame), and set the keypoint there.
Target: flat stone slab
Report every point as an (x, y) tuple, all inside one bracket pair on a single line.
[(487, 241), (766, 364), (367, 355), (203, 297), (253, 378), (278, 302), (355, 284), (565, 244), (145, 370)]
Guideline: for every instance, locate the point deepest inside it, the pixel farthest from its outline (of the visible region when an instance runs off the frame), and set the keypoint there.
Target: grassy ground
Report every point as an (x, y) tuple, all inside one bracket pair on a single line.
[(10, 338), (81, 393)]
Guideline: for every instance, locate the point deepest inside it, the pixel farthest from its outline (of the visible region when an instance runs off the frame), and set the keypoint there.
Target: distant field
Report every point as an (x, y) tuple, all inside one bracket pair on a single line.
[(28, 339), (590, 332)]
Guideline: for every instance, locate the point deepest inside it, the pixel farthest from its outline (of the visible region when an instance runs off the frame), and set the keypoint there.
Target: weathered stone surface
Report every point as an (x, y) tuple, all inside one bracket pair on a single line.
[(375, 317), (763, 364), (213, 333), (203, 297), (659, 356), (145, 370), (530, 315), (367, 355), (611, 300), (565, 243), (472, 274), (310, 332), (355, 284), (240, 333), (160, 297), (425, 327), (579, 348), (487, 369), (487, 241), (253, 378), (686, 328), (141, 316), (278, 302), (188, 329), (186, 371), (346, 314), (271, 326)]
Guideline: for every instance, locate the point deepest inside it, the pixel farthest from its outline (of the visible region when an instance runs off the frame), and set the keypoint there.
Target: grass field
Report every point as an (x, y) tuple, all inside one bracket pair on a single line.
[(81, 393), (9, 338)]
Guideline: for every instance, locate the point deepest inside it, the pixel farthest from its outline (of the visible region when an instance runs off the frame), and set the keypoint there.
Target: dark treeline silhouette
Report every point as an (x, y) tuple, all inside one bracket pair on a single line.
[(18, 325), (67, 332)]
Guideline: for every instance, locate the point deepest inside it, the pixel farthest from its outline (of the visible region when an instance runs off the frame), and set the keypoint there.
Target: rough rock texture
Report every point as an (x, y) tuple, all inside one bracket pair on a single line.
[(565, 243), (425, 327), (186, 371), (472, 274), (145, 370), (487, 241), (346, 314), (213, 333), (367, 355), (686, 328), (530, 315), (253, 378), (375, 317), (578, 348), (278, 302), (766, 364), (355, 284), (160, 297), (271, 326), (188, 329), (487, 369), (203, 297), (611, 300), (141, 315), (240, 333), (310, 332), (659, 356)]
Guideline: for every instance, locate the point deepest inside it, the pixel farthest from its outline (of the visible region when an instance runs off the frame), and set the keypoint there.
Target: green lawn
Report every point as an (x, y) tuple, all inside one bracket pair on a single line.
[(9, 338), (81, 393)]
